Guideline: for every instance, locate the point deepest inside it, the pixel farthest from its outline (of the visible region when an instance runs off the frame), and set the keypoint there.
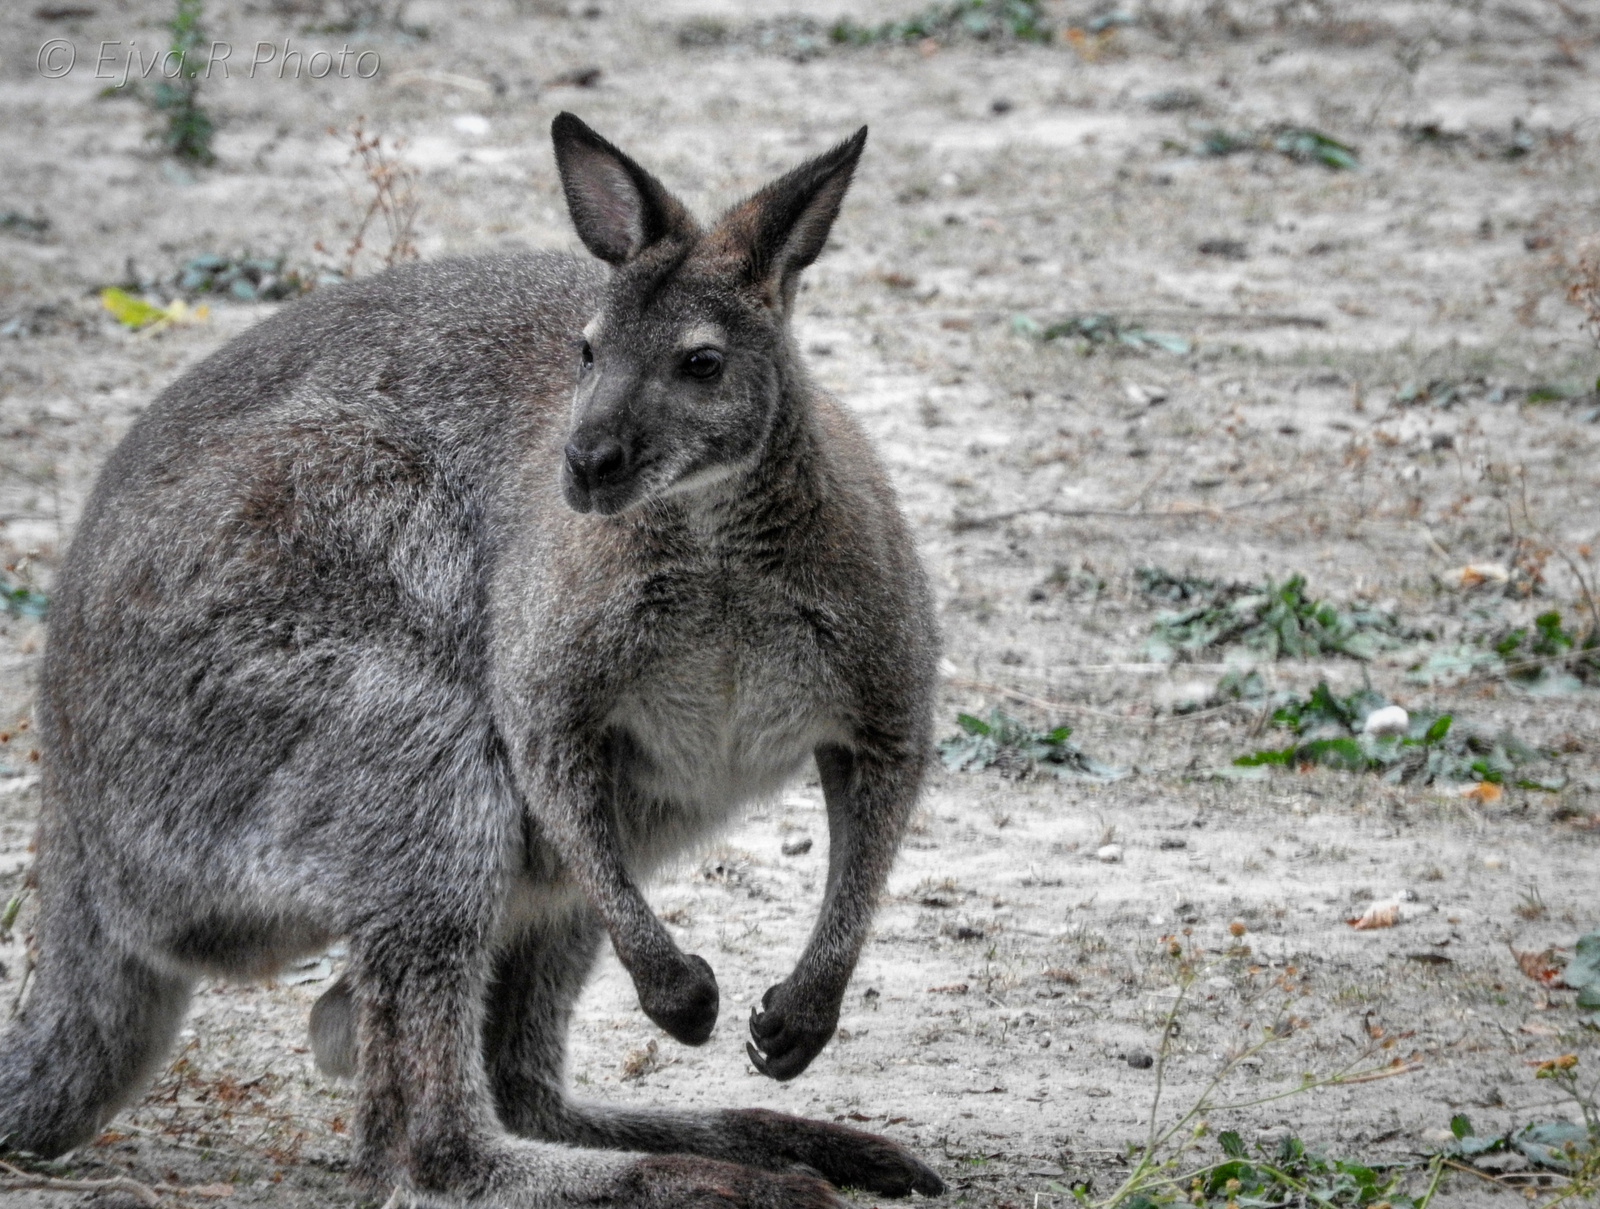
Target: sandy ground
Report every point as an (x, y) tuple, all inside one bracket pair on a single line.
[(1013, 973)]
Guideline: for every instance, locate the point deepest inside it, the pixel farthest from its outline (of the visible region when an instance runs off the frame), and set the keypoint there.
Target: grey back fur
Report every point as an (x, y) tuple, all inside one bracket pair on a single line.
[(436, 612)]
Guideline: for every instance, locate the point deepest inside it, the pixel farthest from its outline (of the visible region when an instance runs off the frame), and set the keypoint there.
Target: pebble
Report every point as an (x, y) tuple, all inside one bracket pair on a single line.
[(1390, 720), (1110, 854), (1139, 1059), (797, 847)]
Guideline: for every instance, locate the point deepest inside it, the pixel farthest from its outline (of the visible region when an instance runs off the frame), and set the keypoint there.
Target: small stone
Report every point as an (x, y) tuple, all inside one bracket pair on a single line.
[(1139, 1059), (1390, 720), (1110, 854), (798, 846)]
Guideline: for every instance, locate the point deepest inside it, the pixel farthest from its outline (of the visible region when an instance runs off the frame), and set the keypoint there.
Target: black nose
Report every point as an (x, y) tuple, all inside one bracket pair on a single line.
[(592, 464)]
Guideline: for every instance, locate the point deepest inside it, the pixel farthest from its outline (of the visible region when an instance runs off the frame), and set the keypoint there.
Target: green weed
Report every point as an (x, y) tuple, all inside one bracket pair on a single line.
[(1299, 143), (1278, 620), (1018, 751), (1023, 20), (1545, 657), (189, 127), (1099, 330), (1164, 1169), (1566, 1147), (1329, 732)]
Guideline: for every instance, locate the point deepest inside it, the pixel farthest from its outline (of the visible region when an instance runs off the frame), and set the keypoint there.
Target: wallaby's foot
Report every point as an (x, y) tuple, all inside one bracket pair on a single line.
[(849, 1158), (789, 1031), (678, 1181), (537, 1176), (681, 998)]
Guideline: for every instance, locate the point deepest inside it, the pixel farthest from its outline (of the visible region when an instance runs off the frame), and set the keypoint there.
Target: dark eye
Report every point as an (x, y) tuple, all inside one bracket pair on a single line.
[(703, 363), (587, 356)]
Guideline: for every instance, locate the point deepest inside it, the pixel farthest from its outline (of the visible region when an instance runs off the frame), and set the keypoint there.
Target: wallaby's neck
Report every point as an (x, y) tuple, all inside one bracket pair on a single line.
[(761, 512)]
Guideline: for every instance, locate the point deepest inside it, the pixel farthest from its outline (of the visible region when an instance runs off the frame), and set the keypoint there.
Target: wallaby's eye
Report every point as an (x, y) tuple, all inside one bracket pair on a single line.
[(587, 356), (703, 363)]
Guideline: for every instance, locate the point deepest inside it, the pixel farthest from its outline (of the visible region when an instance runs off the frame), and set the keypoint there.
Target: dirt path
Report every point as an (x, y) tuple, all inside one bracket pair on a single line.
[(1359, 402)]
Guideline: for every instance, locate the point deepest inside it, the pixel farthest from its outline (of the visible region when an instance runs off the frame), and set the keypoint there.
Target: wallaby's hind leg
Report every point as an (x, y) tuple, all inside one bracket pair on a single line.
[(97, 1023), (537, 981)]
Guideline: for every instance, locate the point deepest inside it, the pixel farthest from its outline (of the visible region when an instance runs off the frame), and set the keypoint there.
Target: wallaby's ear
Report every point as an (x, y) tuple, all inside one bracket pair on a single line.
[(618, 208), (786, 224)]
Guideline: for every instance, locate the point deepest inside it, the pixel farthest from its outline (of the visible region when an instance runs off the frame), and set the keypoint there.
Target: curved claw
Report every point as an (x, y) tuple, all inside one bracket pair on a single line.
[(756, 1060)]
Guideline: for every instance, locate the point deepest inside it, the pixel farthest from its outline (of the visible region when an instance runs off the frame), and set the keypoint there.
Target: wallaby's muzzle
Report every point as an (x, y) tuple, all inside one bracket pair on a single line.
[(598, 474)]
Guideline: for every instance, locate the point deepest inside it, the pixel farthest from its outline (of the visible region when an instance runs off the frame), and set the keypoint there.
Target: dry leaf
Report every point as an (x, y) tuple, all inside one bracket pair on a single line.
[(1379, 915), (1540, 966), (1473, 574)]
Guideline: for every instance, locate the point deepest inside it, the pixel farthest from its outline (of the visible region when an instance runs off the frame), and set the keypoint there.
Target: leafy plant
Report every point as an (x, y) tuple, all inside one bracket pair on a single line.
[(189, 127), (244, 277), (1543, 658), (1299, 143), (1017, 750), (1583, 975), (1570, 1148), (1289, 1174), (1433, 749), (1279, 620), (982, 19), (1100, 330), (1164, 1170)]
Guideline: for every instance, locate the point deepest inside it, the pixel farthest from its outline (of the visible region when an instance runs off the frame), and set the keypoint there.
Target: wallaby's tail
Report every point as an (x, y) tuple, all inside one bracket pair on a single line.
[(96, 1024)]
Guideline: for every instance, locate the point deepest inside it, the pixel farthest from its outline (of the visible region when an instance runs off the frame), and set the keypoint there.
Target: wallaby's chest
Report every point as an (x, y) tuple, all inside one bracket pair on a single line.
[(735, 695)]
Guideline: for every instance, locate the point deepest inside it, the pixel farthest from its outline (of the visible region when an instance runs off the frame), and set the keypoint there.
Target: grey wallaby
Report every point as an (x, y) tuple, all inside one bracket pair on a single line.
[(434, 613)]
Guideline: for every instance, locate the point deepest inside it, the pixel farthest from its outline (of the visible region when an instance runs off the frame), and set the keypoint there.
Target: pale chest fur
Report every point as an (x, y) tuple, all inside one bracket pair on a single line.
[(736, 696)]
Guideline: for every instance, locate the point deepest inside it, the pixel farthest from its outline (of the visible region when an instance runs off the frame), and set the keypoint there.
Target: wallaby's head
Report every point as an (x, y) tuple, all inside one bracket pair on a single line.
[(682, 371)]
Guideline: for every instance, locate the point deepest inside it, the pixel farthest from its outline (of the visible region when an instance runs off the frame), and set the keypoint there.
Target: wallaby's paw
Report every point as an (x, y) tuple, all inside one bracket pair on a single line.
[(789, 1031), (677, 1181), (846, 1157), (683, 1002)]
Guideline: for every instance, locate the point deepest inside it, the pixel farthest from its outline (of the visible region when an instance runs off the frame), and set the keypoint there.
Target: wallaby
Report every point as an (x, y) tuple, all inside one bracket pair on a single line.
[(435, 613)]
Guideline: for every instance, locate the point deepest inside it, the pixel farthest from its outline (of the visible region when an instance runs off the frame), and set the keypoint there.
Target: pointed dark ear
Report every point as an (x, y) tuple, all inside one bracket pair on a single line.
[(787, 223), (618, 208)]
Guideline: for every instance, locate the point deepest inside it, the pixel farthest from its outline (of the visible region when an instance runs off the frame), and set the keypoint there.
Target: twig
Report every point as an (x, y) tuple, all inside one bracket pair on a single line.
[(1067, 707), (1184, 510), (1433, 1184), (1372, 1076), (18, 1180)]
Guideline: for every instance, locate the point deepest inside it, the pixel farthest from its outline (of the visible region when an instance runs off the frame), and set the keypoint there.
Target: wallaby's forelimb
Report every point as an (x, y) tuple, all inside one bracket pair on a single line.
[(868, 798), (677, 990)]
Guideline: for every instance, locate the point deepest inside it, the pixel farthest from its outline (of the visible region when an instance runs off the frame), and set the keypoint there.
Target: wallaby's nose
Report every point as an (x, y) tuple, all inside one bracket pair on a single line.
[(592, 464)]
